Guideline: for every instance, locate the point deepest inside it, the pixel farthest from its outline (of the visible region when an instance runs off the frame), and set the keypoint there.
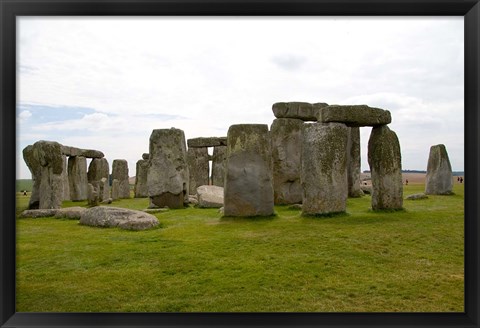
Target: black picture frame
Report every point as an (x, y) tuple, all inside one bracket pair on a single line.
[(9, 9)]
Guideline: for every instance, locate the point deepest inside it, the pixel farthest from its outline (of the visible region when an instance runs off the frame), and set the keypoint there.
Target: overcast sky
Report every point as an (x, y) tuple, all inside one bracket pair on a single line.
[(106, 83)]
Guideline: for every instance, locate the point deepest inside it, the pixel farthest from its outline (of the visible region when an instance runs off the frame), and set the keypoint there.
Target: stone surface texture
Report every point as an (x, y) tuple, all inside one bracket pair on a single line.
[(33, 165), (120, 172), (88, 153), (249, 181), (72, 213), (384, 158), (417, 196), (287, 140), (355, 115), (197, 159), (299, 110), (77, 177), (439, 178), (98, 169), (206, 142), (140, 190), (66, 185), (115, 189), (92, 195), (353, 162), (219, 160), (168, 174), (48, 155), (210, 196), (324, 168), (106, 216)]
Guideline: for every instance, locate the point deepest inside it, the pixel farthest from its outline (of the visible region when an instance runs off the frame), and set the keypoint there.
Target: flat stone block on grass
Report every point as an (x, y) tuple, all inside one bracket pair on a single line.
[(108, 217)]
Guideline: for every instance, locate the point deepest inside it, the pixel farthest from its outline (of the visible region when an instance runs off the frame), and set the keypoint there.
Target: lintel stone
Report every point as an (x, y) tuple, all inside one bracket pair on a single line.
[(207, 142), (354, 115), (299, 110)]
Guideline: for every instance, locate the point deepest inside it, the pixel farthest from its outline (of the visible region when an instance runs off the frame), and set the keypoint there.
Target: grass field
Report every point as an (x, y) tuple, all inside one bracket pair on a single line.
[(196, 261)]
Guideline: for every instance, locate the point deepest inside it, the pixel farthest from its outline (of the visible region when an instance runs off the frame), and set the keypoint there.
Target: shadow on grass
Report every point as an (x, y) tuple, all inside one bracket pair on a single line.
[(248, 218)]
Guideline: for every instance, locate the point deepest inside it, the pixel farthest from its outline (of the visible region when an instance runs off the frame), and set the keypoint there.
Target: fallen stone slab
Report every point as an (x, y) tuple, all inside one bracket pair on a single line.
[(72, 213), (299, 110), (156, 210), (355, 115), (39, 213), (108, 217), (207, 142), (417, 196), (210, 196)]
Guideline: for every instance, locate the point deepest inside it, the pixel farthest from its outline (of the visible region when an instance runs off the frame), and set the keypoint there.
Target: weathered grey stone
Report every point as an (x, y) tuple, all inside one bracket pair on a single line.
[(92, 195), (38, 213), (439, 179), (324, 168), (77, 177), (115, 189), (417, 196), (299, 110), (210, 196), (88, 153), (120, 172), (155, 210), (355, 115), (106, 216), (197, 167), (48, 155), (206, 142), (249, 182), (33, 165), (66, 185), (98, 169), (385, 160), (287, 142), (145, 156), (103, 188), (192, 199), (353, 162), (168, 175), (72, 213), (140, 189), (367, 190), (219, 160)]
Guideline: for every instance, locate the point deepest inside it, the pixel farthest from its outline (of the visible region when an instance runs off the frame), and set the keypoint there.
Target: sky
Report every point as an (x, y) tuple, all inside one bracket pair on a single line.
[(105, 83)]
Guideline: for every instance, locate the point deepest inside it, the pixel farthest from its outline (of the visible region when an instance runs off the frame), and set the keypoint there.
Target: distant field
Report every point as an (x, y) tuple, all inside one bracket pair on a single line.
[(24, 184), (407, 261)]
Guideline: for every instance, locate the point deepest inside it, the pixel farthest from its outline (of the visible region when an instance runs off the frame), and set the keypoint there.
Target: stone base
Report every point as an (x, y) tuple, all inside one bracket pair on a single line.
[(168, 199)]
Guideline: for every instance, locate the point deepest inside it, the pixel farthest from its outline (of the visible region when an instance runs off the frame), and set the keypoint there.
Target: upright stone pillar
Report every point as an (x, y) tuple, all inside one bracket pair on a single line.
[(35, 168), (219, 159), (249, 183), (287, 139), (168, 175), (439, 180), (98, 173), (115, 189), (353, 162), (385, 162), (198, 168), (324, 168), (120, 172), (140, 189), (66, 185), (77, 178)]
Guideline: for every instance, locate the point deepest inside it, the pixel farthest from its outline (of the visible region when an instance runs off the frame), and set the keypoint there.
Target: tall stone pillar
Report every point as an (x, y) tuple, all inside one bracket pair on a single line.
[(385, 162), (249, 182), (66, 185), (324, 168), (218, 165), (140, 189), (287, 139), (353, 162), (77, 178), (168, 175), (198, 168), (439, 179), (120, 172)]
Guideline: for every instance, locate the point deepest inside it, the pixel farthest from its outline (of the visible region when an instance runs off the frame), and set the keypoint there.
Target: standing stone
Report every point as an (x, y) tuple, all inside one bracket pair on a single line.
[(385, 162), (218, 165), (98, 169), (167, 176), (120, 172), (287, 142), (103, 189), (439, 172), (353, 162), (324, 168), (77, 177), (35, 168), (249, 182), (140, 190), (198, 168), (115, 189), (92, 195), (49, 155), (66, 185)]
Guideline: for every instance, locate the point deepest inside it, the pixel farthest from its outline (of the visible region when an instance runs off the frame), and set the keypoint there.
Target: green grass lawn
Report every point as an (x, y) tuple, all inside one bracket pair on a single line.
[(197, 261)]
